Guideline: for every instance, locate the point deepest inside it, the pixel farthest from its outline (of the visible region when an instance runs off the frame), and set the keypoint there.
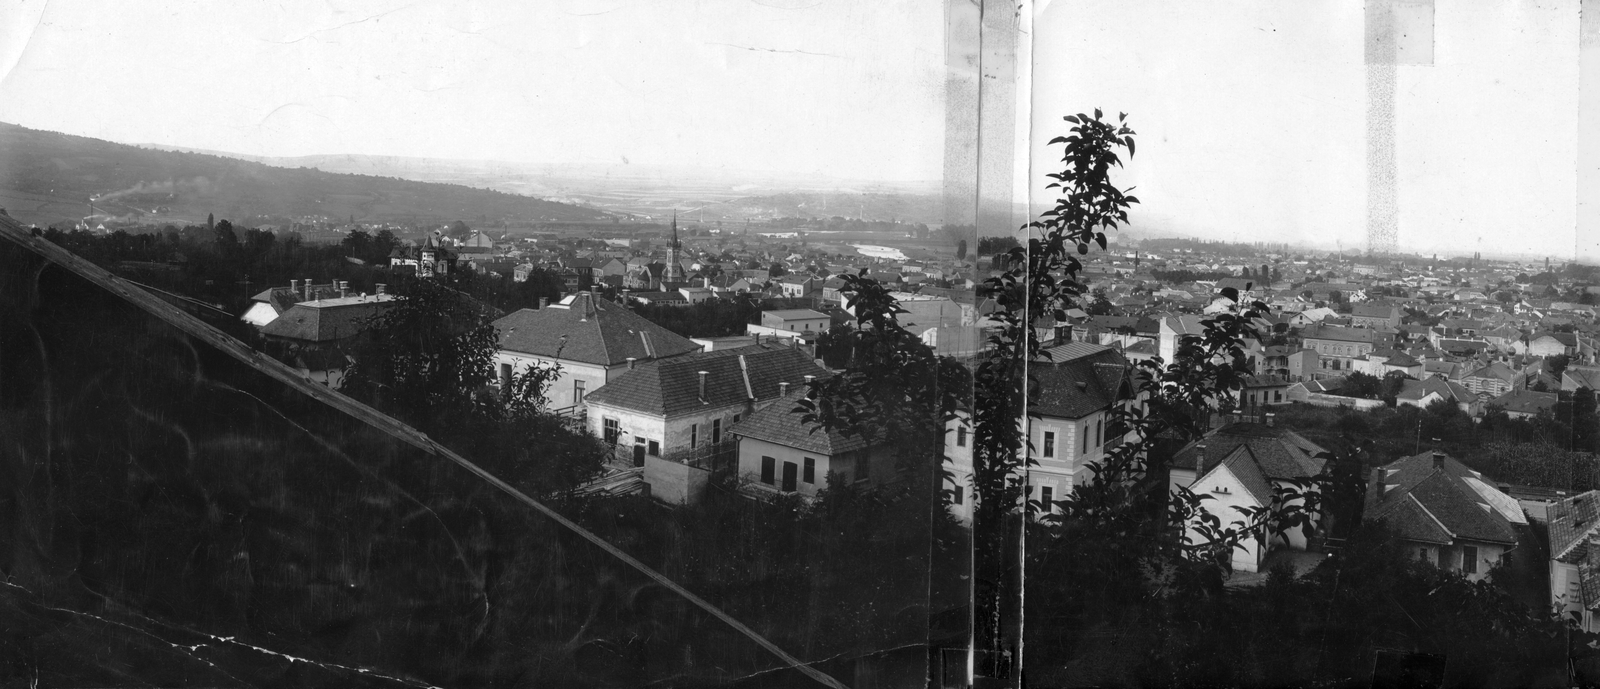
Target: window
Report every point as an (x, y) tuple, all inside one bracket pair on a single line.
[(1049, 443), (1047, 496), (809, 472), (655, 448), (863, 468), (1099, 427), (716, 431), (1469, 559), (1422, 554), (958, 495), (736, 418), (1277, 395), (961, 436), (505, 375), (1084, 432), (577, 392), (769, 470), (612, 431)]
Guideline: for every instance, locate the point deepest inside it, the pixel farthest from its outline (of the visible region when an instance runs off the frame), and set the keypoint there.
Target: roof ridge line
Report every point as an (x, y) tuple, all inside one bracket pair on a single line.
[(1425, 510)]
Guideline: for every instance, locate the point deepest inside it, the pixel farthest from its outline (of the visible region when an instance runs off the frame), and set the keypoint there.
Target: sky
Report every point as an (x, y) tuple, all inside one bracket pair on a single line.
[(837, 87), (1252, 118)]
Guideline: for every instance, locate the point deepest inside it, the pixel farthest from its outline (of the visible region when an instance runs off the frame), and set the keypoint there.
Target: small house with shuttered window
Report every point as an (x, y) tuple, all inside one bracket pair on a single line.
[(779, 455)]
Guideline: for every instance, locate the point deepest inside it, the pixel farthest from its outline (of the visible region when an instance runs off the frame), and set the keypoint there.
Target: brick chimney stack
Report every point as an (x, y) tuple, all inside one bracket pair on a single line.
[(307, 284), (1438, 459), (703, 375), (381, 287)]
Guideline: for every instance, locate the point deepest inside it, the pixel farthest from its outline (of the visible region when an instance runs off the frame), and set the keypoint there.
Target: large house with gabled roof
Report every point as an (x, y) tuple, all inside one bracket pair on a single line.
[(670, 413), (1449, 515), (1070, 405), (1244, 466), (594, 340)]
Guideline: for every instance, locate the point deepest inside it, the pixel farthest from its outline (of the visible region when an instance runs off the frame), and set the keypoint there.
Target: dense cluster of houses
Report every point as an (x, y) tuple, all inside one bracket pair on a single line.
[(675, 411)]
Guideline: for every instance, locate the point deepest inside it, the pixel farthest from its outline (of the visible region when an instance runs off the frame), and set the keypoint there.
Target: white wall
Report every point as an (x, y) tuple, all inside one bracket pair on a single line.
[(1227, 496), (562, 390), (752, 450)]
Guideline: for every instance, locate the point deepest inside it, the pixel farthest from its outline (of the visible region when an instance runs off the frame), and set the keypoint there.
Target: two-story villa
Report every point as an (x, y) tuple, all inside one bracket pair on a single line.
[(1069, 415)]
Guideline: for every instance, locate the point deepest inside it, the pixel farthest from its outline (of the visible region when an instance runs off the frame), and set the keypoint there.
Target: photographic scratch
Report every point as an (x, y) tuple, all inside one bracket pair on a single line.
[(772, 50)]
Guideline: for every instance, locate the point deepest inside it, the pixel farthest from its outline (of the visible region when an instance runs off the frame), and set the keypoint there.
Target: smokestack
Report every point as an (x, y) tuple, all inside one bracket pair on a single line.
[(307, 283), (294, 286), (631, 360), (703, 385), (381, 287)]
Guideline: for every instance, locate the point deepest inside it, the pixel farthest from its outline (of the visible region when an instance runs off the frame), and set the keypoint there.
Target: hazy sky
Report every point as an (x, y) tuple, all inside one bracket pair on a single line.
[(847, 88), (1252, 117)]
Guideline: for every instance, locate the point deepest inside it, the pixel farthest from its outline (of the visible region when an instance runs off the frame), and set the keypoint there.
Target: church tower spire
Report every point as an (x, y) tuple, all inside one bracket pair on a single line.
[(674, 271)]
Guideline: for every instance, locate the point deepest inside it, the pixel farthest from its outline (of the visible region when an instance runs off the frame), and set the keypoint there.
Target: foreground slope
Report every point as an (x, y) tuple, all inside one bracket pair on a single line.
[(178, 511)]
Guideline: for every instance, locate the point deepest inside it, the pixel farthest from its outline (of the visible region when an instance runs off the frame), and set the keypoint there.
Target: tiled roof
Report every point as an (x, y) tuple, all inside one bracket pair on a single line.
[(779, 423), (1068, 351), (1341, 334), (325, 321), (1078, 387), (1574, 522), (1447, 494), (1495, 370), (1242, 463), (1524, 401), (589, 330), (795, 314), (666, 387), (1279, 452), (1378, 310)]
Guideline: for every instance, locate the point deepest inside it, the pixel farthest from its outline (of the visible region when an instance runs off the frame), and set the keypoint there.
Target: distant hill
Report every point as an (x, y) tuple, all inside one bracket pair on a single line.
[(49, 178)]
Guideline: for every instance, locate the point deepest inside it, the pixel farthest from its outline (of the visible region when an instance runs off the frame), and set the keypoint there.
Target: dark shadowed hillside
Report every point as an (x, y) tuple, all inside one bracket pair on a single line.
[(50, 178)]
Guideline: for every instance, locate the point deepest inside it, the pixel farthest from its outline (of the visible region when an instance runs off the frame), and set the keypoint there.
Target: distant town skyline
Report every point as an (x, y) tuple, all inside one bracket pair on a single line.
[(848, 90)]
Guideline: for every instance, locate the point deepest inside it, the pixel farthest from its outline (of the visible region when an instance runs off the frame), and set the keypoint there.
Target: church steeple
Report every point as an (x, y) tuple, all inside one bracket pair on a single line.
[(674, 271)]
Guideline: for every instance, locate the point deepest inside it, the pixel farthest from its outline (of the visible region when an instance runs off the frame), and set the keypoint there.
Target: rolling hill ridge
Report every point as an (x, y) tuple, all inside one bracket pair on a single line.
[(48, 178)]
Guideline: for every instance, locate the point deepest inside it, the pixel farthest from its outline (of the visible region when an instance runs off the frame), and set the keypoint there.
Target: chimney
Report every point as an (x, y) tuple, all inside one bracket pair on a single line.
[(703, 385), (1083, 386), (294, 286), (1438, 459), (630, 362), (344, 286), (1200, 459), (783, 388), (381, 288), (809, 379), (307, 284), (1269, 418), (544, 301)]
